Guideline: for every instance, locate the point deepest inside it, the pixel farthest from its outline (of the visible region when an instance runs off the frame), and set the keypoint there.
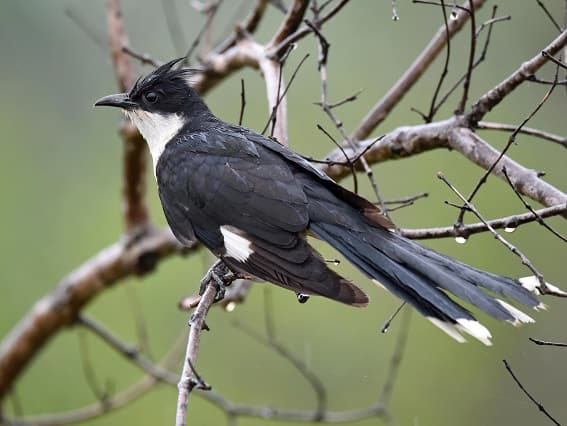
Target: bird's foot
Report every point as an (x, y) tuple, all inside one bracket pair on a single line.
[(220, 276)]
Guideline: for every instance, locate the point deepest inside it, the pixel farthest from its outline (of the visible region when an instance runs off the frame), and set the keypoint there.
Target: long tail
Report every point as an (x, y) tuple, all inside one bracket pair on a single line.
[(418, 275)]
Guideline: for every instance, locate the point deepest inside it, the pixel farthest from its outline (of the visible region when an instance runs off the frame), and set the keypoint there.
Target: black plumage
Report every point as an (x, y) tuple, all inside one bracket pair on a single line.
[(252, 202)]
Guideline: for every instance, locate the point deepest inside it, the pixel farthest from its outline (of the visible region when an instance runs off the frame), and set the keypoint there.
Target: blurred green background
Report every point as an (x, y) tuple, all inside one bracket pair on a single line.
[(60, 185)]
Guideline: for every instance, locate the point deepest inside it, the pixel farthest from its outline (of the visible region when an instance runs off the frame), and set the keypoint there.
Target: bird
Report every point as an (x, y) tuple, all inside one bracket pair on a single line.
[(253, 202)]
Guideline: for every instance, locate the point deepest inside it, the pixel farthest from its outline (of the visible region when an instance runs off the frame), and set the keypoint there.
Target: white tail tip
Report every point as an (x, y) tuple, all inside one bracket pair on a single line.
[(531, 283), (519, 316), (448, 328), (475, 329)]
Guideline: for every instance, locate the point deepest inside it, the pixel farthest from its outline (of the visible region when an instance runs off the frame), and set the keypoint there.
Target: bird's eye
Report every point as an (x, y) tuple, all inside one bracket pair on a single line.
[(151, 97)]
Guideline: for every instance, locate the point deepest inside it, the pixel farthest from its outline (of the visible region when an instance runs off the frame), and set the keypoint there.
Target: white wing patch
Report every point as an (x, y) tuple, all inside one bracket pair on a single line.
[(157, 129), (235, 244)]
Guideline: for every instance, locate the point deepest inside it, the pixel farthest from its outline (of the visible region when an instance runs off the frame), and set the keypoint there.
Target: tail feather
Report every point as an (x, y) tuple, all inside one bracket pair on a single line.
[(421, 276)]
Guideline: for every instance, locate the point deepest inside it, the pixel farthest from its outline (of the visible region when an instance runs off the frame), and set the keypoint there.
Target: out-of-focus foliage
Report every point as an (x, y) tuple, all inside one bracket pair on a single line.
[(60, 188)]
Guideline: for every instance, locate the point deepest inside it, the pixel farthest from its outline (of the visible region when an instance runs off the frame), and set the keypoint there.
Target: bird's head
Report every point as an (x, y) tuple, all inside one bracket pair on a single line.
[(160, 104)]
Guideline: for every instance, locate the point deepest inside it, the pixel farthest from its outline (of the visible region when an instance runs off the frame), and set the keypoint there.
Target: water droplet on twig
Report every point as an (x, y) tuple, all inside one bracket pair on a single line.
[(461, 239)]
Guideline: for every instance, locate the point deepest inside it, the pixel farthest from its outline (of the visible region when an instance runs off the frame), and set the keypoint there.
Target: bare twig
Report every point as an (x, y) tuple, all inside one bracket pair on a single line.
[(445, 70), (495, 95), (323, 50), (249, 25), (99, 409), (487, 125), (242, 102), (136, 216), (523, 258), (314, 381), (81, 22), (131, 353), (554, 59), (348, 161), (511, 141), (482, 57), (89, 371), (396, 359), (537, 217), (197, 324), (529, 395), (61, 306), (211, 12), (472, 51), (383, 107), (549, 15), (303, 31), (546, 343), (144, 58), (510, 222)]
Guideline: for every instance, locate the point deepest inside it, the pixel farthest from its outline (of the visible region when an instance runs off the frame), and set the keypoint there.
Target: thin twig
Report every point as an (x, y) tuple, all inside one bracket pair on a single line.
[(89, 370), (348, 161), (523, 258), (83, 23), (554, 59), (396, 359), (411, 75), (323, 51), (273, 343), (281, 97), (211, 13), (487, 125), (546, 343), (129, 352), (499, 92), (549, 15), (529, 395), (507, 223), (242, 102), (188, 380), (144, 58), (472, 50), (511, 141), (445, 70), (537, 217), (482, 57)]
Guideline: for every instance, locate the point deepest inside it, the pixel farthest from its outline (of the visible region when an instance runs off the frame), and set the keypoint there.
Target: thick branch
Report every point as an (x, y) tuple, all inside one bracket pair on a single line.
[(412, 140), (401, 142), (135, 211), (249, 25), (383, 107), (525, 181), (61, 307), (488, 101), (293, 19)]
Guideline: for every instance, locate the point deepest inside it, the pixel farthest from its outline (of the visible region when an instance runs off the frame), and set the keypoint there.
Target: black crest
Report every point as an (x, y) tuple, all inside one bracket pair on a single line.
[(167, 89)]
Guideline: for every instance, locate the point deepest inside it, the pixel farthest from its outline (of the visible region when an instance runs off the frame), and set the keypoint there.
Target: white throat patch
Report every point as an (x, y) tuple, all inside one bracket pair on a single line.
[(157, 129)]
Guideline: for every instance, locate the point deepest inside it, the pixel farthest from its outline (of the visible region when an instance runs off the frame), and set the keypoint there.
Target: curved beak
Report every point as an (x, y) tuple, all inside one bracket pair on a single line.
[(120, 100)]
